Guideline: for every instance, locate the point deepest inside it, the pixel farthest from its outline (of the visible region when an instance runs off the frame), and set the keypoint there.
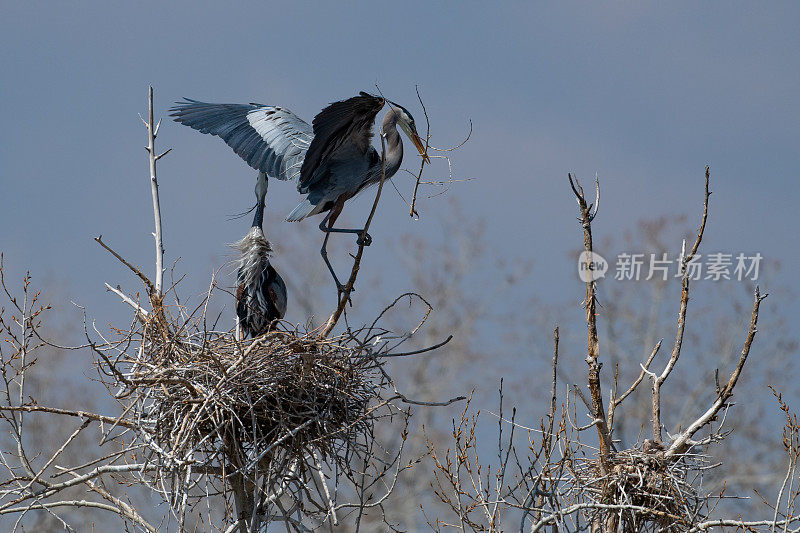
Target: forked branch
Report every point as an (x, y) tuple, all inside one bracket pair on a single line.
[(587, 212), (152, 132), (683, 442)]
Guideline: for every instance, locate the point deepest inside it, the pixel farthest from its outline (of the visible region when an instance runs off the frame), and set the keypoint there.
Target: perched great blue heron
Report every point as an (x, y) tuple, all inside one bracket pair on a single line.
[(260, 291), (334, 160)]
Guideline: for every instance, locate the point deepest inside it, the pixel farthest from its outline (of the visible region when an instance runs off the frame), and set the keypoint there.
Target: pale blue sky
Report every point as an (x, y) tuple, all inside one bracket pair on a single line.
[(643, 94)]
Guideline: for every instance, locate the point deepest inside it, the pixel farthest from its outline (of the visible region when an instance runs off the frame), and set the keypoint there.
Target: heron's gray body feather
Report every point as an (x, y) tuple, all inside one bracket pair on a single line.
[(270, 139), (342, 130)]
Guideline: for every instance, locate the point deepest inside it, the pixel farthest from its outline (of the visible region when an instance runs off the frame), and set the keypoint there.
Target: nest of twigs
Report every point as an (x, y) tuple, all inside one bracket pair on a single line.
[(263, 422), (215, 400), (649, 492)]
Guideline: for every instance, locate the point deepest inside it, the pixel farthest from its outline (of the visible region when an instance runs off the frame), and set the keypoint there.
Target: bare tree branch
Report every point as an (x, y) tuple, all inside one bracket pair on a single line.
[(152, 132), (676, 349), (681, 444), (590, 302)]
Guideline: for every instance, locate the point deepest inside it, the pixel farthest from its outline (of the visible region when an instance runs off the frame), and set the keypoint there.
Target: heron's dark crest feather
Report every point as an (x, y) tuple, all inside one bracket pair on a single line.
[(348, 120)]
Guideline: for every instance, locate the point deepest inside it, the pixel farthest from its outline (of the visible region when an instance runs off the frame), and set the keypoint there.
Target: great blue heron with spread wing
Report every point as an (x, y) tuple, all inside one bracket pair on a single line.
[(260, 291), (333, 159)]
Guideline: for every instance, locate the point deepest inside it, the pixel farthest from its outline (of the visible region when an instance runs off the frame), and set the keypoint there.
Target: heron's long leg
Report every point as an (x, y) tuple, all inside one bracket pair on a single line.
[(324, 253), (330, 218), (327, 225), (367, 238)]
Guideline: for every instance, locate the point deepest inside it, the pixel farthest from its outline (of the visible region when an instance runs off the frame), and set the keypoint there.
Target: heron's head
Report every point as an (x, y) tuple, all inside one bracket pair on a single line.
[(406, 123)]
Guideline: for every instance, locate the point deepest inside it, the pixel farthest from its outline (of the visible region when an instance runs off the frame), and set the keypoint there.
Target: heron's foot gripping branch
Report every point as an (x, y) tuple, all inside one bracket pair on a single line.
[(365, 239)]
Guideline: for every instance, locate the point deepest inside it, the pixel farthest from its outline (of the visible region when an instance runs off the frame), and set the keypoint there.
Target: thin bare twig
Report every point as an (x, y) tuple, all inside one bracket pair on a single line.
[(136, 270), (413, 212), (676, 349)]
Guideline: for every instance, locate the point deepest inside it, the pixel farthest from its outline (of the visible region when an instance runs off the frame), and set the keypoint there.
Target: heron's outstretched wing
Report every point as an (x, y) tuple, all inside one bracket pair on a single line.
[(348, 121), (271, 139)]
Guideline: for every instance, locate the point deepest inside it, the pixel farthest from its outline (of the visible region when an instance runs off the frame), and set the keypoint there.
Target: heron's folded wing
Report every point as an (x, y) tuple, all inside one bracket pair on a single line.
[(270, 139), (276, 292), (348, 121)]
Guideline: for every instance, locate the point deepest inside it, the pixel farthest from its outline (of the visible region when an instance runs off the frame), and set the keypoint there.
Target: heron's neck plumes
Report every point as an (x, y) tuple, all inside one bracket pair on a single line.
[(394, 145), (254, 251)]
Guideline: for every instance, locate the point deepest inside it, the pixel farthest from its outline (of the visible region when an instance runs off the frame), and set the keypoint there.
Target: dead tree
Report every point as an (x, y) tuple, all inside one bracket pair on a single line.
[(561, 477)]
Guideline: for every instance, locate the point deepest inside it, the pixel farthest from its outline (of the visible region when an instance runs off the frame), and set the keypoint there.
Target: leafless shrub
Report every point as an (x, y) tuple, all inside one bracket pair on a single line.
[(281, 424), (558, 475)]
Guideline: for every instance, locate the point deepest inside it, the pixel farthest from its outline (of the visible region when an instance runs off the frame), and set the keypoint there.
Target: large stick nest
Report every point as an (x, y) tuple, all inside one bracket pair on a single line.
[(207, 398), (207, 413), (654, 494)]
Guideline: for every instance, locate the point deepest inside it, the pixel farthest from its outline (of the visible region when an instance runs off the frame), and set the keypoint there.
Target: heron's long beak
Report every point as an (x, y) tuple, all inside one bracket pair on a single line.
[(420, 146)]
